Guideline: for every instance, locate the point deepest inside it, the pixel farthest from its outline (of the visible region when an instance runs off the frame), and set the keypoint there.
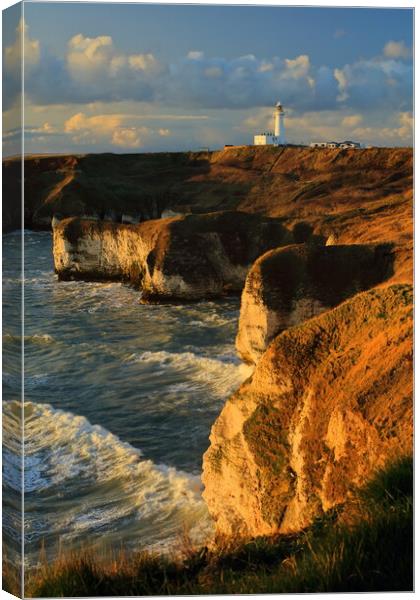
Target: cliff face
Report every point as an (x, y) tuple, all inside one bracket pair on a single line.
[(191, 257), (338, 190), (330, 401), (288, 286)]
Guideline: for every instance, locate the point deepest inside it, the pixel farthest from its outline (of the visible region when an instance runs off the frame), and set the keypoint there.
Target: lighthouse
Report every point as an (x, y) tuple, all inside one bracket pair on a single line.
[(279, 130), (276, 137)]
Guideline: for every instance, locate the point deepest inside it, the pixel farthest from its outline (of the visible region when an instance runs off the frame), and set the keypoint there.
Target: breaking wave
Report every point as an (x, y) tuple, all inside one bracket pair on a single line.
[(104, 484), (221, 376)]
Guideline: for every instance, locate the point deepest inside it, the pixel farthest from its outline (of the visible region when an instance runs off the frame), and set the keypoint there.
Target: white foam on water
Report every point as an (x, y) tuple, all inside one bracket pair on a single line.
[(104, 484), (222, 376)]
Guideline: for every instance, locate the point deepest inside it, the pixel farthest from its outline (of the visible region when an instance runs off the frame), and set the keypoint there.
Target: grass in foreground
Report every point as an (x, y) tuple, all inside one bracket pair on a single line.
[(367, 546)]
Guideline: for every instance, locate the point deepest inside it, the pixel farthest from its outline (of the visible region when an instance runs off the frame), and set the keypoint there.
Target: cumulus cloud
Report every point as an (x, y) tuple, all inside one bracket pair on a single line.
[(378, 82), (396, 50), (107, 73), (92, 58), (340, 76), (126, 138), (97, 123), (95, 70), (22, 44), (110, 129), (297, 67), (25, 47), (245, 81)]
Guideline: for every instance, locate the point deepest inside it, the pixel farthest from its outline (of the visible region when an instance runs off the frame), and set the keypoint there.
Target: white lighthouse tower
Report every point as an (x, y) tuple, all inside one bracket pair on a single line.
[(279, 130), (276, 137)]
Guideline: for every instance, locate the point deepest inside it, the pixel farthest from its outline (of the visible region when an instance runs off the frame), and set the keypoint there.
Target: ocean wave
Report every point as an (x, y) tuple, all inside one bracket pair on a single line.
[(105, 482), (222, 376)]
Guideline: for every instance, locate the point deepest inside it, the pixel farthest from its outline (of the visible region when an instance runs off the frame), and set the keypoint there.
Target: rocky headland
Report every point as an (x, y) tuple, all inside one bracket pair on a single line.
[(180, 258), (319, 242)]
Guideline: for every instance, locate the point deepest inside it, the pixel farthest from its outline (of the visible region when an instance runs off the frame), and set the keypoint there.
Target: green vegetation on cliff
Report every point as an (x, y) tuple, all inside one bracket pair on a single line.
[(366, 545)]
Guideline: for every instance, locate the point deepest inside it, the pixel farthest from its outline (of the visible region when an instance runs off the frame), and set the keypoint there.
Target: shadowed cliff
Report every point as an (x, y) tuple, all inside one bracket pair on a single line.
[(349, 196)]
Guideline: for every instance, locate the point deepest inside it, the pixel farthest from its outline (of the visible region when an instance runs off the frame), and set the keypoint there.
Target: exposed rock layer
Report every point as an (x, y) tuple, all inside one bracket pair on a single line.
[(288, 286), (191, 257), (330, 401)]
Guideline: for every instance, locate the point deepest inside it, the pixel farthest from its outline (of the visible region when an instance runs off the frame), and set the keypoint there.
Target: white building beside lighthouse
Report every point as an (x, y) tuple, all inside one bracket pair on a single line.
[(276, 137)]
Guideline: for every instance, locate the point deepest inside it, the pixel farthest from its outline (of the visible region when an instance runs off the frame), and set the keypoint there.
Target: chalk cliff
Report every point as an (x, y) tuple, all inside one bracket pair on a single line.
[(287, 286), (330, 401), (331, 396), (190, 257)]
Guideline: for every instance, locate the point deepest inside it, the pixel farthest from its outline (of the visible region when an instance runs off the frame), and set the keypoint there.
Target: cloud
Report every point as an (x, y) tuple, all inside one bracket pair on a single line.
[(213, 72), (340, 76), (13, 136), (352, 120), (106, 73), (12, 63), (378, 82), (89, 58), (297, 67), (110, 129), (195, 55), (400, 133), (106, 128), (243, 82), (97, 123), (396, 50), (127, 138), (13, 53), (95, 70)]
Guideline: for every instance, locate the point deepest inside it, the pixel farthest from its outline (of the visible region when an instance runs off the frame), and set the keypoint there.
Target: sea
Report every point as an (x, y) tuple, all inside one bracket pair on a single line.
[(119, 400)]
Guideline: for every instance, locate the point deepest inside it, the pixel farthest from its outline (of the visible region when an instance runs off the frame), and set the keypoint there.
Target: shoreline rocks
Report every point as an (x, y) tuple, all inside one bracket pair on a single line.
[(290, 285), (330, 402)]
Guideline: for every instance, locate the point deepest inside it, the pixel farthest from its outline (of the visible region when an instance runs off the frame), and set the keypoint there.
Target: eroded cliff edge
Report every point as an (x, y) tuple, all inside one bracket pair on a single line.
[(350, 187), (331, 396), (180, 258), (330, 401), (290, 285)]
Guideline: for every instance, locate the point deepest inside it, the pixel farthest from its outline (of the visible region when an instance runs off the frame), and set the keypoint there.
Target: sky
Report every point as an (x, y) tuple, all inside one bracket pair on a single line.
[(141, 78)]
